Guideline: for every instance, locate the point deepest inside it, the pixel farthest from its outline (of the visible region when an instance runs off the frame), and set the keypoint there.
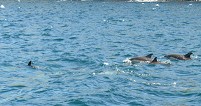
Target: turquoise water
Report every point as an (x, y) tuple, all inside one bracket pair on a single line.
[(78, 50)]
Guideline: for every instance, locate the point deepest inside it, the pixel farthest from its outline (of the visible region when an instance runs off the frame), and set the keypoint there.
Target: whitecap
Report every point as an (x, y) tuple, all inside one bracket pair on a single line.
[(153, 8), (127, 60), (105, 63), (108, 73), (2, 6), (174, 84), (94, 73)]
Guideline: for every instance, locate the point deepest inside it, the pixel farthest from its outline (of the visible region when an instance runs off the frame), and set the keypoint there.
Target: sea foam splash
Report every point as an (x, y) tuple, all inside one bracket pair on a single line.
[(127, 60), (2, 6)]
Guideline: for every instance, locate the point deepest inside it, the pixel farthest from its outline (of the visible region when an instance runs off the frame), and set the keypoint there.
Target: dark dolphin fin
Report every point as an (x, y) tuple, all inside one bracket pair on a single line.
[(29, 64), (188, 55), (149, 55), (155, 59)]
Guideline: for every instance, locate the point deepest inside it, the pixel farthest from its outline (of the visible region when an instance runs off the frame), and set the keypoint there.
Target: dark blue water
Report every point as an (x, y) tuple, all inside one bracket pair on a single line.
[(78, 50)]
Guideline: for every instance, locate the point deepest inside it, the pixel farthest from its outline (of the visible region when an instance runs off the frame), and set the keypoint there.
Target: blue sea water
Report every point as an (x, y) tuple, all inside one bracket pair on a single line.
[(78, 50)]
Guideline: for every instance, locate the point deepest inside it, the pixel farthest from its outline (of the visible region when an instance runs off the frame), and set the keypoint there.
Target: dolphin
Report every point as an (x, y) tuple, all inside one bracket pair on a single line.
[(142, 58), (155, 61), (30, 64), (179, 56)]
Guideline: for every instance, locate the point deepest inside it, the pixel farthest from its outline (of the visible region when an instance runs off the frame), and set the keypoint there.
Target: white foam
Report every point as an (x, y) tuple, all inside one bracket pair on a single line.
[(166, 62), (132, 79), (2, 6), (195, 56), (174, 84), (107, 73), (157, 5), (127, 60), (94, 73), (105, 63)]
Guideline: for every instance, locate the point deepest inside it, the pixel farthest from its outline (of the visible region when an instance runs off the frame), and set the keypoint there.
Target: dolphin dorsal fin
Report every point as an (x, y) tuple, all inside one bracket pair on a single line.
[(188, 55), (155, 59), (149, 55), (29, 64)]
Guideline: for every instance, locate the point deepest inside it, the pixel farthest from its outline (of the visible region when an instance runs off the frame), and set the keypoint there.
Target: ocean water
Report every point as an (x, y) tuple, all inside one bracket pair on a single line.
[(78, 49)]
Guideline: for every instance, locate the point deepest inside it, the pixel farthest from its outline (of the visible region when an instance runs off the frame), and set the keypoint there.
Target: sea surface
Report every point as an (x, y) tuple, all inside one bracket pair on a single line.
[(78, 49)]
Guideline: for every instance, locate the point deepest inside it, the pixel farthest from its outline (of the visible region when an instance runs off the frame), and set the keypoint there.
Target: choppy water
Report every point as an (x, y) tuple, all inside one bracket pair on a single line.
[(79, 48)]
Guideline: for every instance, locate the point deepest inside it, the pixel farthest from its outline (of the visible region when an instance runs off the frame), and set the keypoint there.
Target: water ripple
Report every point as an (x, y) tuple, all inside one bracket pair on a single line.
[(78, 49)]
